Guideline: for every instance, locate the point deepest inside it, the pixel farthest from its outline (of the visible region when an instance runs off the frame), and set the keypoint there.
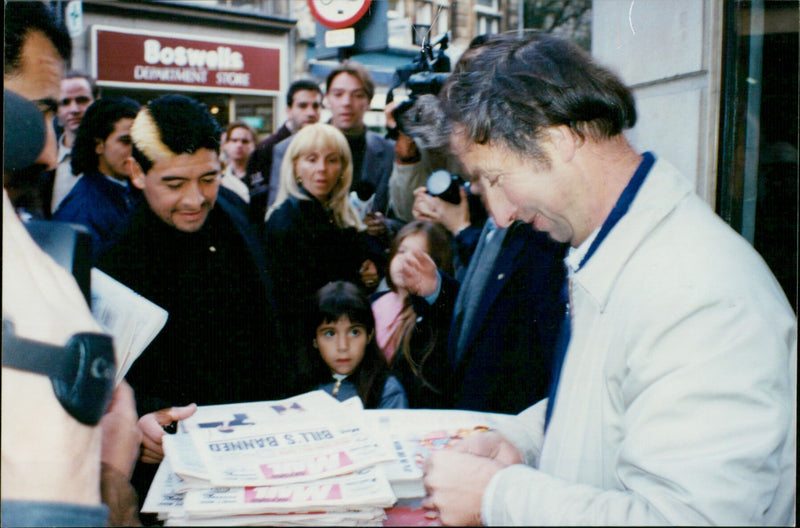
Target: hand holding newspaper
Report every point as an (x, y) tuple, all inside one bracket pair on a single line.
[(305, 460), (305, 454)]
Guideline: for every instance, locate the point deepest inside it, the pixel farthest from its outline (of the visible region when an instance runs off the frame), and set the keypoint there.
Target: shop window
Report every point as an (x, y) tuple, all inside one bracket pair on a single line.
[(258, 112), (758, 158)]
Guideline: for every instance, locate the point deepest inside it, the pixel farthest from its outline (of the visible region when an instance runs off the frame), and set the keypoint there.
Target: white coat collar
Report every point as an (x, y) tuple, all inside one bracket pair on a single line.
[(661, 191)]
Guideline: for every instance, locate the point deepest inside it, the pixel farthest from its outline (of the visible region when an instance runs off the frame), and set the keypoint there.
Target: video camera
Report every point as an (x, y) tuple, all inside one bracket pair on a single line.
[(424, 76)]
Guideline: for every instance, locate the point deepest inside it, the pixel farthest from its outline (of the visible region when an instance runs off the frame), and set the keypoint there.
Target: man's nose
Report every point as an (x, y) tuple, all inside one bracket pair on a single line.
[(49, 155), (502, 212), (193, 196)]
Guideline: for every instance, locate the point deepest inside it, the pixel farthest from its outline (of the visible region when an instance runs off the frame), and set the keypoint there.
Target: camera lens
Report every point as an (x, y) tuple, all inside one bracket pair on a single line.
[(444, 185)]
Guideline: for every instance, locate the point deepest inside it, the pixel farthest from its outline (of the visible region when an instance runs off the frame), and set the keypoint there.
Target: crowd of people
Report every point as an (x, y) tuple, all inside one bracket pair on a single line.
[(648, 350)]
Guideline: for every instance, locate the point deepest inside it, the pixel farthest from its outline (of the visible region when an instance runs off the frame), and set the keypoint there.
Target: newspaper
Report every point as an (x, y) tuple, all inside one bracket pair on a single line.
[(300, 439), (131, 319), (306, 460), (362, 496), (414, 434), (365, 517), (365, 488), (165, 496)]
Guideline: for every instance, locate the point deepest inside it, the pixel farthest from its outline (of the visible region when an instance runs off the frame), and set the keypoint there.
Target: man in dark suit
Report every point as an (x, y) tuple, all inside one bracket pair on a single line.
[(508, 310)]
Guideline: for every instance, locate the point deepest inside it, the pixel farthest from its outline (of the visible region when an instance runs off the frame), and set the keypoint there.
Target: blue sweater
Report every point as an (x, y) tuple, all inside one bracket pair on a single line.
[(101, 205), (393, 397)]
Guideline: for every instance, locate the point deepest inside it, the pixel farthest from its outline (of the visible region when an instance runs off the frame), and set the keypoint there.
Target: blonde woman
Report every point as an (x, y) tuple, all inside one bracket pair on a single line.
[(313, 235)]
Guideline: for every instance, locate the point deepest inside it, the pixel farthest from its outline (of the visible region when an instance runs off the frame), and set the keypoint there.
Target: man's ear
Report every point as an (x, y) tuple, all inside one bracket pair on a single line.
[(136, 172), (564, 141), (99, 146), (314, 342)]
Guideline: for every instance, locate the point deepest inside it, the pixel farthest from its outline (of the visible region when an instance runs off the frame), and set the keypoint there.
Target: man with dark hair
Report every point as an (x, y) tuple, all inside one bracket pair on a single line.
[(238, 143), (189, 250), (674, 394), (78, 91), (303, 102), (22, 20), (36, 51), (103, 199)]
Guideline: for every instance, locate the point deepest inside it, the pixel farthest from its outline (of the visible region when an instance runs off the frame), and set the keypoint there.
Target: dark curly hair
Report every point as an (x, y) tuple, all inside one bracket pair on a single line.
[(97, 124)]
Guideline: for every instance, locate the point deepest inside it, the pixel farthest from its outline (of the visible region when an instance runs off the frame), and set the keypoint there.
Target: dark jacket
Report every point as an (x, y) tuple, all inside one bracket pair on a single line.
[(306, 250), (505, 366), (432, 389), (220, 343), (100, 205)]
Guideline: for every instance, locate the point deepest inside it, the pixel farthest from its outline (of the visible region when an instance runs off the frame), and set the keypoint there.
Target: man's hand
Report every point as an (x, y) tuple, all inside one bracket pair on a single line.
[(387, 113), (405, 150), (369, 274), (375, 224), (454, 217), (121, 434), (491, 445), (152, 427), (454, 485)]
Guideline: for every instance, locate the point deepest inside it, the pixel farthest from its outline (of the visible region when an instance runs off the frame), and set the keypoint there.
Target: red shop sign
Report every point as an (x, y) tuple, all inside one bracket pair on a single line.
[(151, 60)]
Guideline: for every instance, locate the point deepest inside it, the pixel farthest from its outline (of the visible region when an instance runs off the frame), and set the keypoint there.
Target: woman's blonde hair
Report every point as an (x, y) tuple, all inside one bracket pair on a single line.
[(307, 139)]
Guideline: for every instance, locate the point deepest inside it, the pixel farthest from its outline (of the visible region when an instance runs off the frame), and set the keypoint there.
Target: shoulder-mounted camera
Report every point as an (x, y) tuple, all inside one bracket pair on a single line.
[(424, 76)]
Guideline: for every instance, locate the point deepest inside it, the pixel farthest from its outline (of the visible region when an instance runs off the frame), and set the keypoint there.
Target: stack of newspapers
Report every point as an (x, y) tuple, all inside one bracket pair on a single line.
[(306, 460)]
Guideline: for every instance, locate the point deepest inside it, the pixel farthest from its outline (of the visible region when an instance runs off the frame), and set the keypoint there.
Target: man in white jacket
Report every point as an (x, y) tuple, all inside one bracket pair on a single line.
[(674, 397)]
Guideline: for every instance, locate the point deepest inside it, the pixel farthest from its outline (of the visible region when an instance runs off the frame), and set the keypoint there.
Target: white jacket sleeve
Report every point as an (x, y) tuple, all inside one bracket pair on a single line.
[(403, 181), (705, 403)]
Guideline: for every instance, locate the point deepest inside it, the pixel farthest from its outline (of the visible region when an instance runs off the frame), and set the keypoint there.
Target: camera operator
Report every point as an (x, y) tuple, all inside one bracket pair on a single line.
[(412, 124)]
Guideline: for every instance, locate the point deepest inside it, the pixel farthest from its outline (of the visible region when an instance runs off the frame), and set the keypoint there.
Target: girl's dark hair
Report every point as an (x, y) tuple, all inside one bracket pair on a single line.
[(97, 124), (333, 301), (441, 252)]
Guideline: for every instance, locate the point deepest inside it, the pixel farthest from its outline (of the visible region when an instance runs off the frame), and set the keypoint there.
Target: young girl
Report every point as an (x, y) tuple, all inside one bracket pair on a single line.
[(413, 318), (347, 361)]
